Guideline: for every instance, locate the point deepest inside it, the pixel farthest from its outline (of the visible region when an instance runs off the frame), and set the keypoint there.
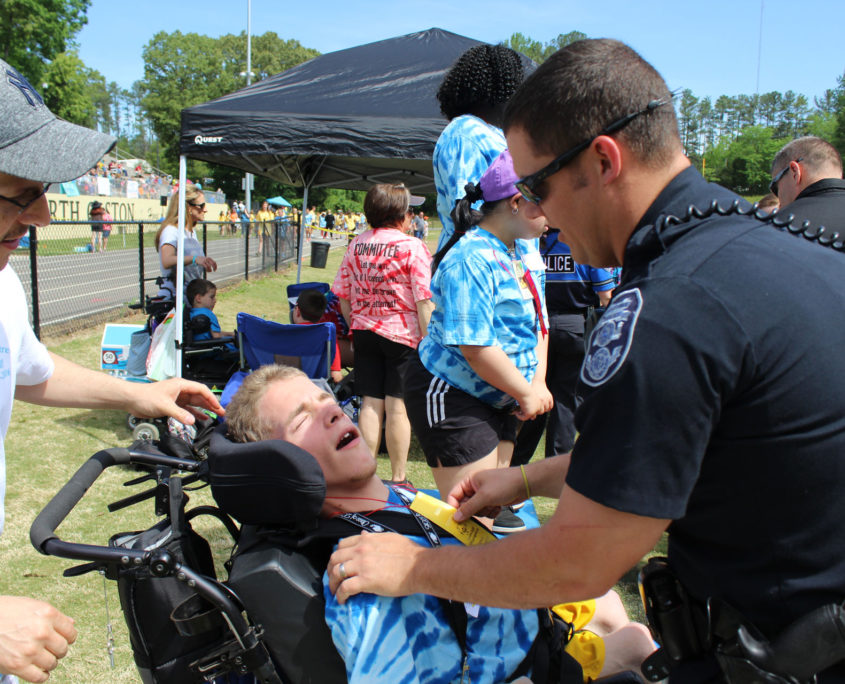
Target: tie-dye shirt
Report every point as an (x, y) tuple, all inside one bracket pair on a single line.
[(480, 302), (383, 275), (464, 150), (408, 640)]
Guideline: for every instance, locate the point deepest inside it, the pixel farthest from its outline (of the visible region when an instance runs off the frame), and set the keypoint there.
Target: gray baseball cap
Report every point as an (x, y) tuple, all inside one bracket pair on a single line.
[(37, 145)]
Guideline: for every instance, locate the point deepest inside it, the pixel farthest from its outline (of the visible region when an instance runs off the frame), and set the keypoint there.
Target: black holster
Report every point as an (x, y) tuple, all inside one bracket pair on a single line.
[(687, 630)]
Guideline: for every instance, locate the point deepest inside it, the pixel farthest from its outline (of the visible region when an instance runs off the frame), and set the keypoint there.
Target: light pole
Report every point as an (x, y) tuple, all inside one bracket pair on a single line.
[(248, 176)]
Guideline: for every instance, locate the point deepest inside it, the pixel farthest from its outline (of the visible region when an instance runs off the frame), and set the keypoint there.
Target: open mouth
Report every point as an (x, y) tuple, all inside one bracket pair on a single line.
[(347, 438)]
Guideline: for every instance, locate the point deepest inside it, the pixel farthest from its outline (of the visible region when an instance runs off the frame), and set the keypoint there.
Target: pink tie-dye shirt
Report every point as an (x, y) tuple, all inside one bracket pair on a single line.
[(384, 274)]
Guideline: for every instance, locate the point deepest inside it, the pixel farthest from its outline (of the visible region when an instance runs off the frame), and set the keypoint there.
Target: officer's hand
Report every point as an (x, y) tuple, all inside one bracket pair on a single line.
[(484, 493), (373, 563), (33, 636), (175, 397)]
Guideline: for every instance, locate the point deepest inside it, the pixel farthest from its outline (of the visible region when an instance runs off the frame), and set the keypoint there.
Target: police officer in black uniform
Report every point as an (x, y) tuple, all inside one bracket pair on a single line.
[(714, 400), (573, 292), (807, 180)]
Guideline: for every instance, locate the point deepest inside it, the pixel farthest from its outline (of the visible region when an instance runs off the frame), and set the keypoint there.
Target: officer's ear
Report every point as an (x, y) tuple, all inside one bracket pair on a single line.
[(608, 155), (797, 171)]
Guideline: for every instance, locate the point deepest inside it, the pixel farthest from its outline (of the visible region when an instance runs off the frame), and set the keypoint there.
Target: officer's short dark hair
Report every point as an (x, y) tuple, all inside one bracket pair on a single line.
[(312, 305), (816, 154), (588, 85), (482, 77)]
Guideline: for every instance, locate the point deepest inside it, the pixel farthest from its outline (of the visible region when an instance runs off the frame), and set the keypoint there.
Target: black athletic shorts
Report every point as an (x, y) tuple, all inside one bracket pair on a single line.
[(453, 427), (378, 364)]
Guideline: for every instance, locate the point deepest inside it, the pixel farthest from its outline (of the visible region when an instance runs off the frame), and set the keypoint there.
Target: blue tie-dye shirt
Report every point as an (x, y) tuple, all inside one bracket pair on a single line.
[(479, 302), (409, 640), (464, 150)]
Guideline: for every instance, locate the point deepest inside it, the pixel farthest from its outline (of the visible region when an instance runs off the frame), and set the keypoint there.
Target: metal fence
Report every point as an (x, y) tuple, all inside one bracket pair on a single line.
[(71, 286)]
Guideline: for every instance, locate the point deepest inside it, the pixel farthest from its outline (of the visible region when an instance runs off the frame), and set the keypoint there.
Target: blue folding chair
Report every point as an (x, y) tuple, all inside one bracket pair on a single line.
[(311, 348), (294, 289)]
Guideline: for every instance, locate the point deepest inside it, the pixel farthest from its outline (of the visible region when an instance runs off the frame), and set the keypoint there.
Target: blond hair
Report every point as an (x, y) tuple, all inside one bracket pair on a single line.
[(245, 421), (192, 193)]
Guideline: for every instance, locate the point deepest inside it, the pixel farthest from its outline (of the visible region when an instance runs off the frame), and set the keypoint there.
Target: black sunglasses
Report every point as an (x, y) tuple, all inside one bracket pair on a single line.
[(773, 186), (201, 206), (528, 186), (26, 199)]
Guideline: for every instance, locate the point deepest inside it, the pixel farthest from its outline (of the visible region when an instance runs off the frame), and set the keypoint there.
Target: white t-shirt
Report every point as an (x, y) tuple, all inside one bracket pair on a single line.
[(192, 247), (23, 359)]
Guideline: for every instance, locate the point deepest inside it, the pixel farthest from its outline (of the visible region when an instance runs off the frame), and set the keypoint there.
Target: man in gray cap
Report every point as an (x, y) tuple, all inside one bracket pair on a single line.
[(36, 149)]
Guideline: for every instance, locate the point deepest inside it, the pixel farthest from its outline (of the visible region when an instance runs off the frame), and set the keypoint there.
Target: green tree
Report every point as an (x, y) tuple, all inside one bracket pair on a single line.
[(838, 138), (744, 165), (562, 40), (538, 51), (822, 125), (66, 89), (181, 70), (689, 121), (527, 46), (37, 31)]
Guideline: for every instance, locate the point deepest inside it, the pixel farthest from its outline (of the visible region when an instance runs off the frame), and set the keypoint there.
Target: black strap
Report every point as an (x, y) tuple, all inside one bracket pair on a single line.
[(547, 662), (455, 611)]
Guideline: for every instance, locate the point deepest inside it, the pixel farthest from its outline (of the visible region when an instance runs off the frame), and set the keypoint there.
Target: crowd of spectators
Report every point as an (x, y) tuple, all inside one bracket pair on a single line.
[(115, 178)]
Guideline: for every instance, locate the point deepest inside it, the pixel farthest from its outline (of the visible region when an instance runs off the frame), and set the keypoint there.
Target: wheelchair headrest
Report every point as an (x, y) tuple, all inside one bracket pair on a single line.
[(266, 483), (199, 323)]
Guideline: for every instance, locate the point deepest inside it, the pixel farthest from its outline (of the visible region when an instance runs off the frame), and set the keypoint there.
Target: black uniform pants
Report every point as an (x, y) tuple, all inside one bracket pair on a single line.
[(566, 354)]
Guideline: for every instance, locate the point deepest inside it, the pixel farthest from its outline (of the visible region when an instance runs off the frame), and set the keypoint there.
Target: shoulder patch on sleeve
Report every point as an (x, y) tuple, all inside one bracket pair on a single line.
[(611, 339)]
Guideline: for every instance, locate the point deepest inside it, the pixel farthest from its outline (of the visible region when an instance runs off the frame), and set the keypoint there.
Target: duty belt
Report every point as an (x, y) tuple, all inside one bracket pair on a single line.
[(687, 630)]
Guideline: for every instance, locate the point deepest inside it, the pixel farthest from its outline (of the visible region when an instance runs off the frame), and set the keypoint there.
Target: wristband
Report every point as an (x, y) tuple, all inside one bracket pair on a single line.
[(525, 480), (193, 260)]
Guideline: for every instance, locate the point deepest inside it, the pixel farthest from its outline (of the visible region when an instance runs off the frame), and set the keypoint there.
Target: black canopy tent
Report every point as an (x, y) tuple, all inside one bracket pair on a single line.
[(346, 119)]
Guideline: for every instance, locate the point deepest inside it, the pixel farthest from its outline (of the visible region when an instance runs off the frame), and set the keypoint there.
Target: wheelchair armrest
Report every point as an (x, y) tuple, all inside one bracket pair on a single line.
[(203, 346)]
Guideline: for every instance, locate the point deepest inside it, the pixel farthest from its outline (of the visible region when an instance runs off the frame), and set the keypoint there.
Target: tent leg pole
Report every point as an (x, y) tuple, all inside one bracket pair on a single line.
[(180, 264), (302, 234)]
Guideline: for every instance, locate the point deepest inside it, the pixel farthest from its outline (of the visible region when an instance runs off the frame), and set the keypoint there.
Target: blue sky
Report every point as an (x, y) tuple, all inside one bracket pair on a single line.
[(709, 46)]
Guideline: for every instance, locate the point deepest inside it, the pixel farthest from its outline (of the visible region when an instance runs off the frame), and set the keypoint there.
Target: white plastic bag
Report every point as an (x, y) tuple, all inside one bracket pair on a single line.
[(161, 362)]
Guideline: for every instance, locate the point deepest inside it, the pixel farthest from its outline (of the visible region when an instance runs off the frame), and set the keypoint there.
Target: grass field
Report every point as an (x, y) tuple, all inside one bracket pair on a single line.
[(45, 446)]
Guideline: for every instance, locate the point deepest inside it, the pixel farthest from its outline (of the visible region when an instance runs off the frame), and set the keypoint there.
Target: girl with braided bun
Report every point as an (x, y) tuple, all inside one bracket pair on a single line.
[(481, 367), (472, 96)]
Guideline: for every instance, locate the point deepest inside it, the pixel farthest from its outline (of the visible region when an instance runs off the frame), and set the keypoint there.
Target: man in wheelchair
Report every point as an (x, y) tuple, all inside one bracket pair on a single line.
[(418, 638)]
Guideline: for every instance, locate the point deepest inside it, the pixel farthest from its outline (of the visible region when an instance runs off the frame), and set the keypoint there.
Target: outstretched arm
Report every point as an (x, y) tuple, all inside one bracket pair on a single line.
[(73, 386), (578, 554)]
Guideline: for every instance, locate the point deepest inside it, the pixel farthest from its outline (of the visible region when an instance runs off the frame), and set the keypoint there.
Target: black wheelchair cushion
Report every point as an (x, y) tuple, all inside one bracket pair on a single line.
[(266, 483)]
